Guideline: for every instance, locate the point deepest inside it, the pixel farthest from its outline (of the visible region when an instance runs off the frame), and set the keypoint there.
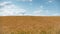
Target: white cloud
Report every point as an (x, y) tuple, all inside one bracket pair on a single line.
[(41, 6), (28, 15), (37, 12), (30, 0), (56, 14), (50, 1), (5, 3), (10, 9), (25, 0), (41, 12)]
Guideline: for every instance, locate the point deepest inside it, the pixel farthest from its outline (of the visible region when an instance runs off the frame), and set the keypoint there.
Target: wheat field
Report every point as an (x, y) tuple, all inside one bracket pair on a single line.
[(30, 25)]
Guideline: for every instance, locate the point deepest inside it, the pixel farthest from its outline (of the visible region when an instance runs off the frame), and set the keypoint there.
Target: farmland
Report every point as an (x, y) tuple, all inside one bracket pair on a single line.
[(30, 25)]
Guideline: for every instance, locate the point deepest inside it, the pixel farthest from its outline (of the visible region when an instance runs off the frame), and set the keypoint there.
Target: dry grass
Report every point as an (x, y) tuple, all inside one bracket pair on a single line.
[(30, 25)]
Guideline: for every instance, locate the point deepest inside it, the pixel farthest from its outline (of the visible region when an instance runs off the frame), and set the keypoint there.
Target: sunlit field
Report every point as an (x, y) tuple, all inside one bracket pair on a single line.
[(30, 25)]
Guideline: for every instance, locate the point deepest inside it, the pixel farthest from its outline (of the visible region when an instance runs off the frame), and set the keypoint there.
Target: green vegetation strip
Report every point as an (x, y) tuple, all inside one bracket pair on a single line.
[(29, 32)]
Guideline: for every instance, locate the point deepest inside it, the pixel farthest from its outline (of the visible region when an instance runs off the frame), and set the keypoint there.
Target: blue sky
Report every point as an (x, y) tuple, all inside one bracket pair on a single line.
[(30, 7)]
